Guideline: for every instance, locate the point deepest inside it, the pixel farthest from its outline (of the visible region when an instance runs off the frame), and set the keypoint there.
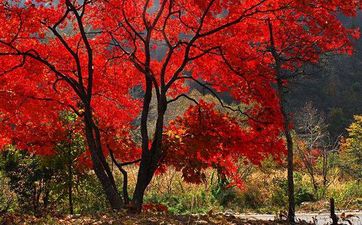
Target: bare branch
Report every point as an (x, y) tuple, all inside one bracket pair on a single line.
[(185, 96)]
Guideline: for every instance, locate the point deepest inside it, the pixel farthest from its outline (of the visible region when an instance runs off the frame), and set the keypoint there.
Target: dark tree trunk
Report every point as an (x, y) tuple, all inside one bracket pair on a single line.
[(291, 199), (145, 175), (145, 165), (100, 166), (150, 157), (325, 168), (288, 136), (149, 164), (125, 176), (125, 186), (70, 180)]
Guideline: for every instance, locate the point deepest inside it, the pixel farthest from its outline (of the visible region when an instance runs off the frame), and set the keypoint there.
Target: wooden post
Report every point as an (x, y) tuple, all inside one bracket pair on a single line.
[(333, 213)]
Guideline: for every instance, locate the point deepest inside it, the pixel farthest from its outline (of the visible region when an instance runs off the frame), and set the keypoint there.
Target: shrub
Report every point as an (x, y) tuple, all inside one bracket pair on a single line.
[(348, 195), (8, 200)]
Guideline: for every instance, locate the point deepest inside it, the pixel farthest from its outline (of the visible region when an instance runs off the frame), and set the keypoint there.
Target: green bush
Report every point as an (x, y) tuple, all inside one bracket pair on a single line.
[(222, 194), (89, 196), (279, 197), (250, 199), (302, 194), (28, 178), (8, 200), (350, 195)]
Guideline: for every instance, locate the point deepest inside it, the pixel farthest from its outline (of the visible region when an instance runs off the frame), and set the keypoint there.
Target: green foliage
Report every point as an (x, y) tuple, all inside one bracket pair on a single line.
[(279, 196), (8, 198), (66, 176), (251, 198), (338, 119), (222, 194), (349, 195), (41, 183), (89, 196), (351, 155), (302, 192), (27, 177), (303, 195)]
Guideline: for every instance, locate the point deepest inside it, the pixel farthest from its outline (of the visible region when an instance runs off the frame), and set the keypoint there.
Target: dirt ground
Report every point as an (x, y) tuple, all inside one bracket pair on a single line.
[(142, 219)]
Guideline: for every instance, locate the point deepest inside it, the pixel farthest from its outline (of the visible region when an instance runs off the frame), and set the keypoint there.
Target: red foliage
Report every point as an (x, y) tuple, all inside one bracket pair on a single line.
[(154, 208), (206, 138)]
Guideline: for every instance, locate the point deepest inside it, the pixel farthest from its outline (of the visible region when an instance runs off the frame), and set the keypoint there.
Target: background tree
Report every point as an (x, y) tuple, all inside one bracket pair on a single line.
[(282, 46), (334, 83), (314, 145), (351, 150)]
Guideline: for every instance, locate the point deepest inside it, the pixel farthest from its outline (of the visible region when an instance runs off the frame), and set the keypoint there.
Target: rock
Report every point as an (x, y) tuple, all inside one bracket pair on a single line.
[(229, 213), (201, 222)]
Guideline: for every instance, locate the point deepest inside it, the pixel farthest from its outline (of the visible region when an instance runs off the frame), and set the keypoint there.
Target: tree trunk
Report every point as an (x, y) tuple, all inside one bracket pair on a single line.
[(125, 177), (145, 175), (70, 180), (291, 199), (150, 157), (125, 186), (100, 166), (149, 164), (288, 136), (325, 171)]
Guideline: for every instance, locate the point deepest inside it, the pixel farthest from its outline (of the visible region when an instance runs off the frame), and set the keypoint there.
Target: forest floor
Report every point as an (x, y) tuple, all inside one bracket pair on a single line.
[(152, 218), (122, 218), (142, 219)]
